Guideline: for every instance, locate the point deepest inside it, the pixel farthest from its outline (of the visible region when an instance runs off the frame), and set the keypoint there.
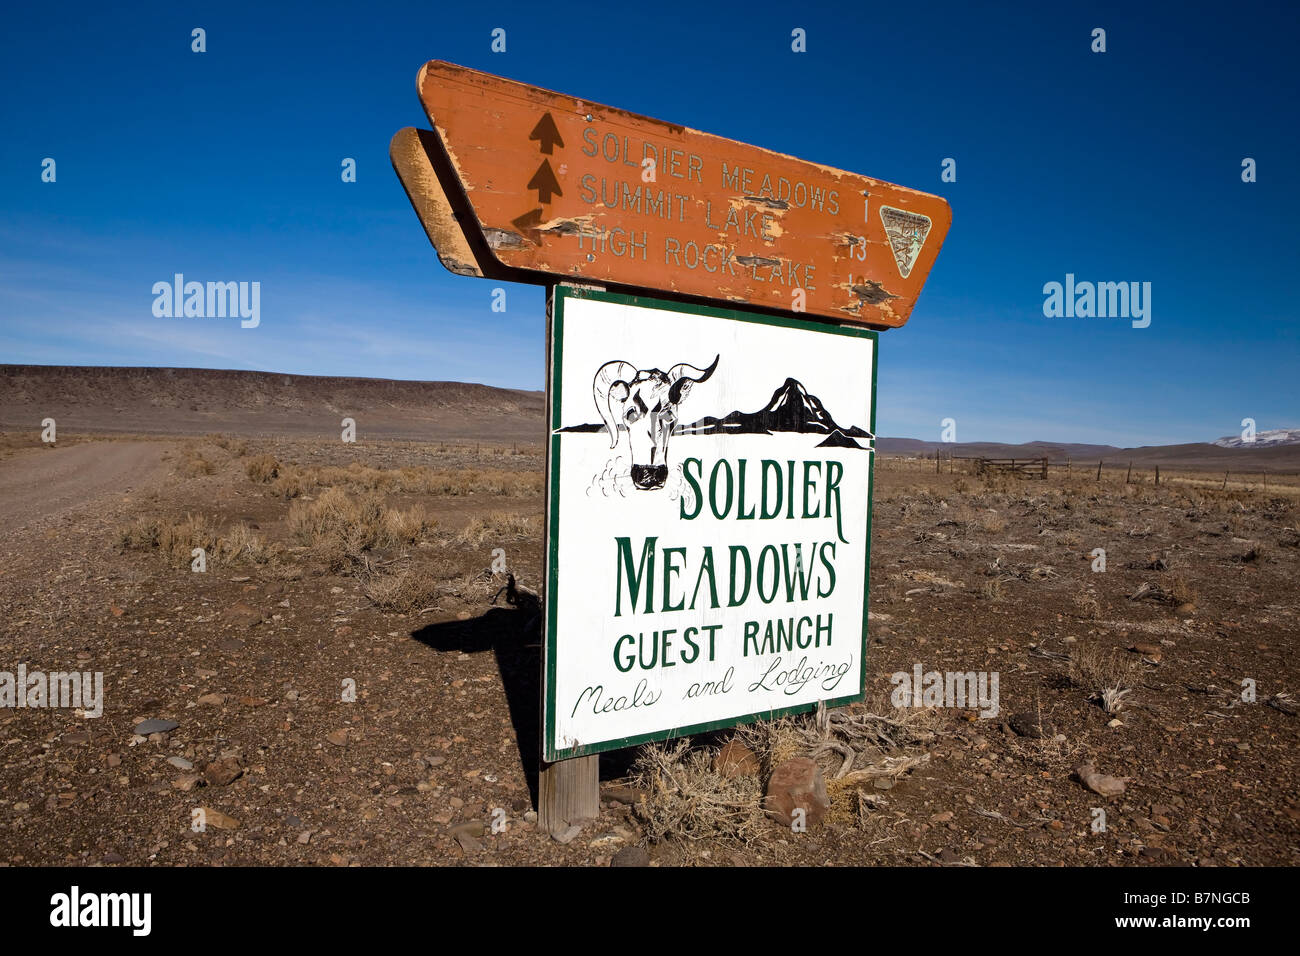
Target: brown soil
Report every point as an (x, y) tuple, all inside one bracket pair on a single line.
[(967, 575)]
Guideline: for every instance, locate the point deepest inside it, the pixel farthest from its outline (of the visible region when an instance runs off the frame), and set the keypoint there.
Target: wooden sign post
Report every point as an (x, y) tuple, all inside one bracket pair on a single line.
[(710, 399)]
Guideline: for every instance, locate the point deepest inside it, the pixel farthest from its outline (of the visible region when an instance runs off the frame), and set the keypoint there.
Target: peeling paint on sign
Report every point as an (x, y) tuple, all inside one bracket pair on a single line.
[(558, 186)]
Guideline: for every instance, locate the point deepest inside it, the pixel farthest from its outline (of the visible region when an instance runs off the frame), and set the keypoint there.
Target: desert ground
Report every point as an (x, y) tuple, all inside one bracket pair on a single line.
[(366, 570)]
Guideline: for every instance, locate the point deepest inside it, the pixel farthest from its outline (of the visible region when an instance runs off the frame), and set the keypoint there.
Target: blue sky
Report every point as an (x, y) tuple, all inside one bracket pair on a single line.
[(1122, 166)]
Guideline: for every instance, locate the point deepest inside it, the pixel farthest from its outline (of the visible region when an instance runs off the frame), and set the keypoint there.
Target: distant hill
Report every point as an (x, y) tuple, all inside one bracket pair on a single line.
[(180, 401), (1274, 436), (1203, 455)]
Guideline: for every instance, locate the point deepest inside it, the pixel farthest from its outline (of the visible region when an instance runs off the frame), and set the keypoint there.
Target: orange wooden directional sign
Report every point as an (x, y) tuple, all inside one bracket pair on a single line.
[(576, 191)]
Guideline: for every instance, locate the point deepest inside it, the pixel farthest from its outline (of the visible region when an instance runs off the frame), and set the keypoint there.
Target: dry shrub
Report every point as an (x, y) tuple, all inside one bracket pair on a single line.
[(288, 485), (140, 535), (178, 540), (242, 544), (193, 462), (1103, 671), (993, 524), (497, 525), (343, 529), (1087, 607), (262, 469), (404, 592), (774, 741), (682, 796), (992, 590), (1180, 592), (237, 447)]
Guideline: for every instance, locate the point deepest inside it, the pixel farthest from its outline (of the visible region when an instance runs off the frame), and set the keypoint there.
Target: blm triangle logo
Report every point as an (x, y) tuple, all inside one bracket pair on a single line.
[(906, 232)]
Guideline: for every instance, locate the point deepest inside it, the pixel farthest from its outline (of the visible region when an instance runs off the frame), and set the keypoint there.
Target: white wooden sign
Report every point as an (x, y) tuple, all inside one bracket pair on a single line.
[(708, 518)]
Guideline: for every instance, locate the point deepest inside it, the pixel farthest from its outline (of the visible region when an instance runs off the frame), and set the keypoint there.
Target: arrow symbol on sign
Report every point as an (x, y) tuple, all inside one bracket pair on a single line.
[(544, 182), (528, 223), (546, 133)]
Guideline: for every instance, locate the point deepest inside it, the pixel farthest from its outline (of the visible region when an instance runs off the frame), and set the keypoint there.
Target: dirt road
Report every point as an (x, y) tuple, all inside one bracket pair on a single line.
[(49, 482)]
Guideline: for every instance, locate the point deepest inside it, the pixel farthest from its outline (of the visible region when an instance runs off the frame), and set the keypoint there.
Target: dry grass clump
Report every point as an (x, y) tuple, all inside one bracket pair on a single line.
[(497, 525), (1087, 607), (403, 592), (240, 544), (684, 798), (993, 523), (237, 447), (854, 748), (262, 468), (194, 463), (1180, 591), (288, 485), (176, 541), (427, 481), (1106, 674), (343, 530)]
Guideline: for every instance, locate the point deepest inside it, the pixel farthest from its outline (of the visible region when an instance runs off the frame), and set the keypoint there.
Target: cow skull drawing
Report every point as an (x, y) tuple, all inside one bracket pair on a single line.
[(644, 403)]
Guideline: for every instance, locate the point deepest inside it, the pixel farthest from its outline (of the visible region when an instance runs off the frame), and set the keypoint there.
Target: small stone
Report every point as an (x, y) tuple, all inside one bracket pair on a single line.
[(941, 817), (948, 856), (631, 856), (797, 784), (242, 615), (338, 737), (155, 725), (568, 835), (736, 760), (222, 772), (215, 818), (180, 763), (111, 857), (187, 782), (1028, 724), (1100, 783), (211, 700), (473, 828), (305, 836)]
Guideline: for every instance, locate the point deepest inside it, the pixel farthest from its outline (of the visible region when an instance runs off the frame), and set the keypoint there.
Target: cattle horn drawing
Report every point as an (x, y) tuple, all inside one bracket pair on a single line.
[(644, 402)]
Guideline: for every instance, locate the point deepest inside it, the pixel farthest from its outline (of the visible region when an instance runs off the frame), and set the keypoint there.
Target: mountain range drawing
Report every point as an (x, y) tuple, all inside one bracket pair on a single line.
[(630, 400), (792, 408)]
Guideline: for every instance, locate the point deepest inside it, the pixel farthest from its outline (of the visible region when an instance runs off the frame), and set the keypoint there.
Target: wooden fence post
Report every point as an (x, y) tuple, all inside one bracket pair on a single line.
[(1225, 482), (568, 792), (1157, 476), (1099, 471), (1129, 477)]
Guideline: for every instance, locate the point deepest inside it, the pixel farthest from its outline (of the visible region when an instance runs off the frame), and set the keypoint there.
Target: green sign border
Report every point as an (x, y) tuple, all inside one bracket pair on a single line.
[(554, 344)]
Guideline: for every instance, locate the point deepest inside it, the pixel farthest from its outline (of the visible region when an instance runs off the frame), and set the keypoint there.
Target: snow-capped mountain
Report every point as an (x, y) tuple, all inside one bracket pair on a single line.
[(1266, 439)]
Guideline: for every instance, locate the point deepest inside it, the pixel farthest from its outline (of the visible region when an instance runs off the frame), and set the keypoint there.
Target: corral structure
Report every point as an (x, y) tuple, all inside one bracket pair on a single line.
[(1020, 467)]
